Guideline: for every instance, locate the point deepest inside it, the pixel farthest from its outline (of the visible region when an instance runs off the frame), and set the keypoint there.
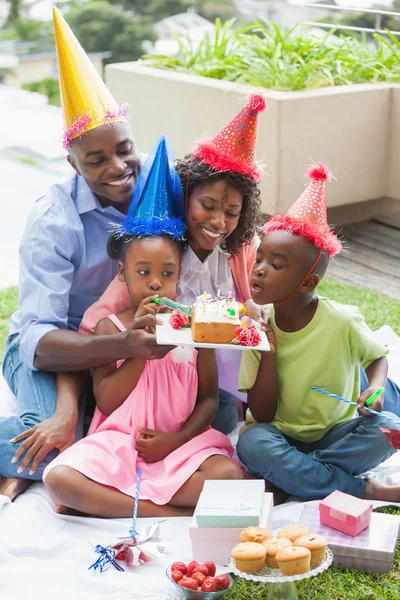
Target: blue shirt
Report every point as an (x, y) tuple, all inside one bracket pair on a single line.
[(64, 266)]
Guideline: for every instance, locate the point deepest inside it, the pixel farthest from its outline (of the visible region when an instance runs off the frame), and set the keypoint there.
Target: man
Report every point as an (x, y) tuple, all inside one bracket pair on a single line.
[(64, 268)]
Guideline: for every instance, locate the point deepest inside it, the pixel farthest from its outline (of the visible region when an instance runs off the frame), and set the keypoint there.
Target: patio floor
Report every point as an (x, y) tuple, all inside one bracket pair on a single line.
[(372, 256)]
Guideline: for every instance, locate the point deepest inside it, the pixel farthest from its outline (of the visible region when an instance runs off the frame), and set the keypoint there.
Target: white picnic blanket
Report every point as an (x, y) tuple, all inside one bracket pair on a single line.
[(47, 555)]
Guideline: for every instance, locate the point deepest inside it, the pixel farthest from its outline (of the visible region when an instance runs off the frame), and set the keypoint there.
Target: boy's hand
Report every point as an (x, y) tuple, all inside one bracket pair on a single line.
[(256, 311), (153, 445), (266, 327), (377, 405)]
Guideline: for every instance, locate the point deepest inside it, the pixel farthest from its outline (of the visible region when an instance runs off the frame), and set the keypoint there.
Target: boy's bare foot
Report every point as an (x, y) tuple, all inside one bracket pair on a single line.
[(280, 496), (13, 486), (380, 491)]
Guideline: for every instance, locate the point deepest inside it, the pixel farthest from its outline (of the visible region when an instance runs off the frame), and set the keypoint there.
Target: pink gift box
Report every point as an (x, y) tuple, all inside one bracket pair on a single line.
[(345, 513)]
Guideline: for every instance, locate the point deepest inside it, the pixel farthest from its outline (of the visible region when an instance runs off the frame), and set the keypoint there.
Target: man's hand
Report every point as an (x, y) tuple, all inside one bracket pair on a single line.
[(377, 405), (153, 445), (56, 432), (140, 339)]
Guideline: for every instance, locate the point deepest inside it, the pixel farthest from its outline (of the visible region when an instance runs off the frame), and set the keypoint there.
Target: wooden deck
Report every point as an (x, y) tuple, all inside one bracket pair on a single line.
[(372, 256)]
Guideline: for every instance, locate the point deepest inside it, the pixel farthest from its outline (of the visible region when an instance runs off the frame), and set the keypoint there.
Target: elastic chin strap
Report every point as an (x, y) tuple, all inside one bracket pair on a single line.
[(302, 281)]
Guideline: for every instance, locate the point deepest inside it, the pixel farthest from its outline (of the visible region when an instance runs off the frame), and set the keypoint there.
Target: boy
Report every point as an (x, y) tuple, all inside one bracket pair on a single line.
[(305, 443)]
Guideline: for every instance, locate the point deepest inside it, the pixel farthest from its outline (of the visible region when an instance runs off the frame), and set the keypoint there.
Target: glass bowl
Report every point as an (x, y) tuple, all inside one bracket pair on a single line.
[(195, 594)]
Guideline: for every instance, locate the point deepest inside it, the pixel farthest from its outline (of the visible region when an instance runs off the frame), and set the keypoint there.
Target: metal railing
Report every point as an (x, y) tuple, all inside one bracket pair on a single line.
[(379, 13)]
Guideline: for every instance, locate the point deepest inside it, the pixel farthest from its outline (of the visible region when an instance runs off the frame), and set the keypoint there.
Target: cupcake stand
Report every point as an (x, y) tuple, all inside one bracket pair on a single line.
[(282, 587)]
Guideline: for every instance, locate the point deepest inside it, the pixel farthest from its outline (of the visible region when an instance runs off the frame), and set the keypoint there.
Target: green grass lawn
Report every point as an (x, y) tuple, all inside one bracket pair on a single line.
[(336, 583)]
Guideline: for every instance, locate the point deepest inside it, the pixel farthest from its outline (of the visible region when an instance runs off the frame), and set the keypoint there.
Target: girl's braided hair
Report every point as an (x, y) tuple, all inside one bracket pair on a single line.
[(193, 172)]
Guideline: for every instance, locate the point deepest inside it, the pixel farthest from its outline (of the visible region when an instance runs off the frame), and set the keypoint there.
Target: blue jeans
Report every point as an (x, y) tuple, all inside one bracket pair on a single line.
[(226, 418), (36, 401), (313, 470)]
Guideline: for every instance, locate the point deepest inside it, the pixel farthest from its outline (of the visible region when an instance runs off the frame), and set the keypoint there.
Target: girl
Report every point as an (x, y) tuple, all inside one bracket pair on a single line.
[(223, 216), (155, 414)]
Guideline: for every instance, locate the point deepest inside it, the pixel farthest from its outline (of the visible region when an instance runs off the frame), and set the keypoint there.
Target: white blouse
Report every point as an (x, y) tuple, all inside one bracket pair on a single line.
[(211, 275)]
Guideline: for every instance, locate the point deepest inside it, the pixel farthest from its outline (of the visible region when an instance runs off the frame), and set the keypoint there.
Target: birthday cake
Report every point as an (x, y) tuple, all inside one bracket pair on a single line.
[(215, 319)]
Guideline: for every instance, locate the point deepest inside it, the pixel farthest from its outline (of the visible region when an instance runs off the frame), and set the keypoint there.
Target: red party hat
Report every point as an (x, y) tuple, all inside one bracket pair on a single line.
[(234, 147), (307, 217)]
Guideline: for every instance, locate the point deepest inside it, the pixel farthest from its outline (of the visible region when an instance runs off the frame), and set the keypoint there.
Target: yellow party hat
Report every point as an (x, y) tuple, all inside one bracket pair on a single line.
[(86, 101)]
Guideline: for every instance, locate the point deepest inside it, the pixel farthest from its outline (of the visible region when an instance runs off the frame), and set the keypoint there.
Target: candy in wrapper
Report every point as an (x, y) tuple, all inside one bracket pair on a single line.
[(393, 435), (146, 547)]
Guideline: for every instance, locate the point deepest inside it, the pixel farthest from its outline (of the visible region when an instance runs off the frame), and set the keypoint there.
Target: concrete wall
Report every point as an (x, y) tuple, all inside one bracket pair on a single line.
[(351, 129)]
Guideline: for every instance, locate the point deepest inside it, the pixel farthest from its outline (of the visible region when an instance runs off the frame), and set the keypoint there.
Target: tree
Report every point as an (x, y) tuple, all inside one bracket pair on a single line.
[(15, 11), (101, 27), (160, 9)]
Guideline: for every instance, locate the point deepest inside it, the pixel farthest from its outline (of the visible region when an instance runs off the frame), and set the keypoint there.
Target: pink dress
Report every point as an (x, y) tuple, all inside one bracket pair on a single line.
[(163, 399)]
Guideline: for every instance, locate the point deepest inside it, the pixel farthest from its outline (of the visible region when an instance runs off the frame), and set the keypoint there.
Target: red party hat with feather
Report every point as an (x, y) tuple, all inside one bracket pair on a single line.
[(307, 217), (234, 147)]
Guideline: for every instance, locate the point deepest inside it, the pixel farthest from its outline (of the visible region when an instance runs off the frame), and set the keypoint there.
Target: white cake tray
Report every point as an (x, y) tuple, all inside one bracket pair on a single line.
[(275, 576), (167, 336)]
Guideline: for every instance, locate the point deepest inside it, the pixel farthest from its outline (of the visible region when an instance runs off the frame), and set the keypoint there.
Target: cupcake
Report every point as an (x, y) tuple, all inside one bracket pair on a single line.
[(255, 534), (316, 545), (292, 532), (249, 556), (294, 560), (272, 545)]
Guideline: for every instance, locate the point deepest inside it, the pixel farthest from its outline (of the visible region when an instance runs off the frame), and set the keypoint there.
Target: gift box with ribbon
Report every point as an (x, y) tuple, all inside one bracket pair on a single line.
[(230, 503)]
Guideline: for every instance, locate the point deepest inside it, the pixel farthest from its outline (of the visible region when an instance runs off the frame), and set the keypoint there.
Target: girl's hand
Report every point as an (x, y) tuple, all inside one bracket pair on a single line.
[(377, 405), (148, 307), (266, 327), (153, 445), (255, 311)]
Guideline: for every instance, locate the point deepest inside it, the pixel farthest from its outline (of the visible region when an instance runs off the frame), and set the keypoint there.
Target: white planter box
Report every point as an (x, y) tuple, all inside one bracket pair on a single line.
[(355, 130)]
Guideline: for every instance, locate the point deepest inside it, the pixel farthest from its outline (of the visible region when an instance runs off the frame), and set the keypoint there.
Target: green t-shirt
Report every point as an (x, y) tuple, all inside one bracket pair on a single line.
[(327, 354)]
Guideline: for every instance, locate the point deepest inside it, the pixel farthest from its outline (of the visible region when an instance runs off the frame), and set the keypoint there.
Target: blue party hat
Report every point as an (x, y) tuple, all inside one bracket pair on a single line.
[(157, 206)]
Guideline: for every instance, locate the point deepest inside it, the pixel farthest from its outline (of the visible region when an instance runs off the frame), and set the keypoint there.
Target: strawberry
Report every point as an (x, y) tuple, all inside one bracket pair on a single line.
[(201, 569), (209, 585), (191, 566), (179, 566), (211, 568), (199, 577), (189, 583), (223, 582), (176, 576)]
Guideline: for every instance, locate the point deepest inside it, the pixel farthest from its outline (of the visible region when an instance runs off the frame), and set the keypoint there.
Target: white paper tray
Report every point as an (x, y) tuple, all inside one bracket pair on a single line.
[(167, 336)]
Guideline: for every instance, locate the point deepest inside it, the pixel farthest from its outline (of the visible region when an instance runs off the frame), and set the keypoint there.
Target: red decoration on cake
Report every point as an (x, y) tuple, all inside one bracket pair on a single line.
[(177, 320), (248, 335), (307, 217), (234, 147)]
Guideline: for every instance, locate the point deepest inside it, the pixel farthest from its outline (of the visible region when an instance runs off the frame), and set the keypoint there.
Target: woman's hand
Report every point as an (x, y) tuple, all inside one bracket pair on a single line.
[(153, 445)]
